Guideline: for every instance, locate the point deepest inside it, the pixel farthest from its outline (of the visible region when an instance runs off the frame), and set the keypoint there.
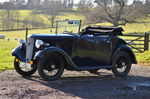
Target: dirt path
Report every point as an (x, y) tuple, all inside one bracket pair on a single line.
[(76, 85)]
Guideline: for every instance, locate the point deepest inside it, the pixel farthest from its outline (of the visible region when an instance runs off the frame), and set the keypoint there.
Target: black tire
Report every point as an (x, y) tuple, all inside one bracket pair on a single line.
[(22, 72), (121, 60), (93, 71), (50, 63)]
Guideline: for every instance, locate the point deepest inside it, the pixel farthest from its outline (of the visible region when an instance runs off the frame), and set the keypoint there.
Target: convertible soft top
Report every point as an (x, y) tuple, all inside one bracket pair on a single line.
[(103, 30)]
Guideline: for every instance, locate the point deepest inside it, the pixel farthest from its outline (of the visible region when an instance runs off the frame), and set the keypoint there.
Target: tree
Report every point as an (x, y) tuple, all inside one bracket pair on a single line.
[(70, 4), (85, 5), (117, 12), (147, 5), (1, 6), (34, 4), (10, 16), (16, 18), (7, 19), (65, 4), (33, 21), (52, 9), (19, 4)]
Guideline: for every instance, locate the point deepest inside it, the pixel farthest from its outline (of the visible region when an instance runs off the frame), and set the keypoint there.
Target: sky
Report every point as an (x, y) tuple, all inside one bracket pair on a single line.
[(76, 1), (3, 0)]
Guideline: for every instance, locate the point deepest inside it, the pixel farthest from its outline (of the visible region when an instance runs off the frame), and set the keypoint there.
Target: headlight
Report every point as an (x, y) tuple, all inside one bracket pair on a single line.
[(39, 43), (21, 42)]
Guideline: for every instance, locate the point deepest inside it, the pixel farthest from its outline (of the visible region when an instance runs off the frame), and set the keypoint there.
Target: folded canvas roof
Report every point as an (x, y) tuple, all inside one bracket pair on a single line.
[(103, 30)]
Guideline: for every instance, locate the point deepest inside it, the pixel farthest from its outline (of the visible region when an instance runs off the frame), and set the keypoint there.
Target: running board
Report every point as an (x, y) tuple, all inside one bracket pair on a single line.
[(92, 67)]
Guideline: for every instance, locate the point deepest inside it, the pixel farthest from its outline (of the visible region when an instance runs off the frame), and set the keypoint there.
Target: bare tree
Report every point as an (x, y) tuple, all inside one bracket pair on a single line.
[(7, 19), (117, 12), (1, 20), (147, 5), (33, 21), (19, 4), (34, 4), (70, 3), (11, 15), (51, 10), (1, 6), (65, 4), (16, 18), (85, 5)]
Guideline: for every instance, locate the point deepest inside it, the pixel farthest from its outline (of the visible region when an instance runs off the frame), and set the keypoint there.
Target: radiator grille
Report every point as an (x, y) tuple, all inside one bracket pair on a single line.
[(29, 50)]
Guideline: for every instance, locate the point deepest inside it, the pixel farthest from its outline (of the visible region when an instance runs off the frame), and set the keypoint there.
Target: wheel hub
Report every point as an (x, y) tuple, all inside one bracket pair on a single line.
[(53, 66), (50, 67), (123, 64)]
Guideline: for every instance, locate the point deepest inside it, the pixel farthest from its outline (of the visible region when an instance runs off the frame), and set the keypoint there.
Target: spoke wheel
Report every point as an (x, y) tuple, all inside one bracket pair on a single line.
[(121, 64), (24, 69), (51, 67)]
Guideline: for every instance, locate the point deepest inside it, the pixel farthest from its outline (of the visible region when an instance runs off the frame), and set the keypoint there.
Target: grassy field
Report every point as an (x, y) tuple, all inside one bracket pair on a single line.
[(35, 16), (131, 28), (6, 60), (144, 58)]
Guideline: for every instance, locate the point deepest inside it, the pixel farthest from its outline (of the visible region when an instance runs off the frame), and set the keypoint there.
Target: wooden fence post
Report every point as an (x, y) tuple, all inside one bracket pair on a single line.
[(146, 41), (26, 34)]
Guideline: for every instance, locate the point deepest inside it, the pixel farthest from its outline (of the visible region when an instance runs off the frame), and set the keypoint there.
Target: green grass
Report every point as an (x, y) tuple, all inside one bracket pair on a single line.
[(144, 58), (137, 27), (6, 60), (28, 15)]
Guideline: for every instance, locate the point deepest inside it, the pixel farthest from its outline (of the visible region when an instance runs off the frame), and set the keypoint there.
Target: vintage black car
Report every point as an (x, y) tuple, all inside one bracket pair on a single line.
[(94, 48)]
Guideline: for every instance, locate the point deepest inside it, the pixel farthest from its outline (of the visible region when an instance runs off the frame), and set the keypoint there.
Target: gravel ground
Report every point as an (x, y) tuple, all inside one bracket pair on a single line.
[(77, 85)]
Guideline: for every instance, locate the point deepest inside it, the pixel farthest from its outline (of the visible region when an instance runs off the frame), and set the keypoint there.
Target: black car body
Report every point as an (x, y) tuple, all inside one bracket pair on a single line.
[(94, 48)]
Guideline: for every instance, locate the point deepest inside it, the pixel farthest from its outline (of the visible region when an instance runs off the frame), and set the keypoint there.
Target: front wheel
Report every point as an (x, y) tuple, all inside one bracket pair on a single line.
[(24, 69), (51, 67), (121, 64)]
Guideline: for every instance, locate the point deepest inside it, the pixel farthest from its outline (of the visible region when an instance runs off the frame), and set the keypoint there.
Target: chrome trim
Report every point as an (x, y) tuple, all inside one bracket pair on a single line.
[(29, 50)]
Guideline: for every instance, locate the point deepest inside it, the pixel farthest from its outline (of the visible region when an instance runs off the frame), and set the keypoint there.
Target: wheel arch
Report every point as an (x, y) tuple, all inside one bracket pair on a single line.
[(20, 53), (126, 49), (65, 57)]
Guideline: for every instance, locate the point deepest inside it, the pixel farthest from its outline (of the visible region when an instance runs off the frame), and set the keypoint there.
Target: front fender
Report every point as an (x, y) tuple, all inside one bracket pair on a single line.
[(126, 49), (46, 51), (20, 53)]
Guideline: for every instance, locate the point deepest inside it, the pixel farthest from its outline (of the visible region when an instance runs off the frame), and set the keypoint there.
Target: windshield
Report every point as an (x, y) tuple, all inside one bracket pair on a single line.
[(68, 26)]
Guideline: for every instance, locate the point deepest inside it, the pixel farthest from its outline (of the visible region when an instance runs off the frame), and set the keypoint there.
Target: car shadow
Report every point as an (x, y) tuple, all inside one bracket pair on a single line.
[(102, 86)]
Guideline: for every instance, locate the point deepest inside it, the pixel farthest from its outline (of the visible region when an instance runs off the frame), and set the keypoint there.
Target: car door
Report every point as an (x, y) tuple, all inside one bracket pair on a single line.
[(104, 49), (93, 50)]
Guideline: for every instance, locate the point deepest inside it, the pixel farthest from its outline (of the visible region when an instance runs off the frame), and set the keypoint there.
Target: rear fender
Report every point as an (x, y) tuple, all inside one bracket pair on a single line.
[(46, 51), (20, 52), (126, 49)]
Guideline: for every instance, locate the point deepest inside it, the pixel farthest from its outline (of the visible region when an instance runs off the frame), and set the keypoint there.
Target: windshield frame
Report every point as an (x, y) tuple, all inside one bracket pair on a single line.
[(59, 21)]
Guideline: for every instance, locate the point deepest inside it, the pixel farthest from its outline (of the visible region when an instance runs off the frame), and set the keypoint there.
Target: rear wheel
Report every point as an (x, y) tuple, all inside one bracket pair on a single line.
[(121, 64), (24, 69), (51, 67)]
